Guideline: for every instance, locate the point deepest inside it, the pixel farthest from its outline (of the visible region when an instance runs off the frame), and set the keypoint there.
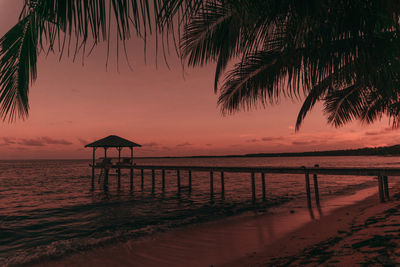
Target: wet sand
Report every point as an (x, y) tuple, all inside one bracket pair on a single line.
[(364, 234), (247, 240)]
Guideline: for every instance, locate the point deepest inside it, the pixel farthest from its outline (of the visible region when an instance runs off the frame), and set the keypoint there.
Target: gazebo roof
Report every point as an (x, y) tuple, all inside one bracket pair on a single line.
[(113, 141)]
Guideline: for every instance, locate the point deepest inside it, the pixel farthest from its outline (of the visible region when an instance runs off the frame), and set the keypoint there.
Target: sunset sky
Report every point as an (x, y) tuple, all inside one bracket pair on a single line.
[(170, 112)]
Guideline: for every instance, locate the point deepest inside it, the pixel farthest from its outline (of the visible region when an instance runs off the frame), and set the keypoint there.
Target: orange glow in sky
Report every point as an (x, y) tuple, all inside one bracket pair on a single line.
[(170, 112)]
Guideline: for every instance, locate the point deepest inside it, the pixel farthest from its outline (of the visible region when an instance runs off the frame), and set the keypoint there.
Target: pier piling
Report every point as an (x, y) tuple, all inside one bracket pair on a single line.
[(119, 167), (253, 187), (142, 178), (178, 180), (211, 184), (93, 166), (380, 188), (308, 190), (163, 179), (316, 189), (131, 180), (263, 185), (153, 180), (92, 178), (386, 187), (106, 178), (119, 178), (190, 180), (222, 185)]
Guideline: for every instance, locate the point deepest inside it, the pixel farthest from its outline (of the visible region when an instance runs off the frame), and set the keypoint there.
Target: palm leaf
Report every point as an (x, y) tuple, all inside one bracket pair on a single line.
[(212, 35), (314, 95), (253, 81), (18, 59), (284, 48), (344, 105)]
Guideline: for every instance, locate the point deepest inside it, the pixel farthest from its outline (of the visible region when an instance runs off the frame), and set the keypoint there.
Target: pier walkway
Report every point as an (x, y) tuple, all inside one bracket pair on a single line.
[(382, 175)]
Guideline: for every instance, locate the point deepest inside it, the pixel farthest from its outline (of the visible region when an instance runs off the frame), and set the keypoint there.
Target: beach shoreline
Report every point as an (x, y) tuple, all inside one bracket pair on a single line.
[(243, 240), (356, 235)]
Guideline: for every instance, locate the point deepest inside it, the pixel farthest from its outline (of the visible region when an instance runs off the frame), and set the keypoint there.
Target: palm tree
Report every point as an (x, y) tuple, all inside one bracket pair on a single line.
[(68, 27), (343, 53)]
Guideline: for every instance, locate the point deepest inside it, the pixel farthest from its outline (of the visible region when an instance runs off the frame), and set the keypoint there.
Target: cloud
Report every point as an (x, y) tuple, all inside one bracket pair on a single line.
[(380, 132), (51, 141), (151, 147), (21, 148), (252, 141), (184, 144), (31, 142), (372, 133), (83, 141), (303, 142), (208, 144), (152, 144), (270, 138), (42, 141), (9, 140)]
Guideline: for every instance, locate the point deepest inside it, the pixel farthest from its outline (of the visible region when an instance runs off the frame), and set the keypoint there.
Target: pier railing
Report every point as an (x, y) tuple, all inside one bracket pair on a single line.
[(381, 173)]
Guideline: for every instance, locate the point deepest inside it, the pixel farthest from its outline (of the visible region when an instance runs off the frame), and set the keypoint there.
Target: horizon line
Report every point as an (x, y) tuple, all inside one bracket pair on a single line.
[(259, 154)]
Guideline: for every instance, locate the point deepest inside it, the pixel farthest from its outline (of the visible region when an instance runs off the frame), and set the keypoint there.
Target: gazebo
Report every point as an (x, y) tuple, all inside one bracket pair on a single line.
[(112, 141)]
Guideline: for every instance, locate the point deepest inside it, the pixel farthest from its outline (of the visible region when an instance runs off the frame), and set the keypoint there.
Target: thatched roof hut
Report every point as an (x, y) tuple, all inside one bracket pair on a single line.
[(113, 141)]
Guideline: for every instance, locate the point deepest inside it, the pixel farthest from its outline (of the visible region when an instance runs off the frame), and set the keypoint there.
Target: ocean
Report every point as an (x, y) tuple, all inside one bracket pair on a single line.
[(48, 210)]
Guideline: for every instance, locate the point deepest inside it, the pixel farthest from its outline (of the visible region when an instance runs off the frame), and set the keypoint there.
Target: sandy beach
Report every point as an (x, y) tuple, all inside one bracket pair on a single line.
[(348, 230), (362, 234)]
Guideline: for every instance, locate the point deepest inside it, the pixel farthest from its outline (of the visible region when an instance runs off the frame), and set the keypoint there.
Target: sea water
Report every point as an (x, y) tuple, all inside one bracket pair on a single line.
[(48, 208)]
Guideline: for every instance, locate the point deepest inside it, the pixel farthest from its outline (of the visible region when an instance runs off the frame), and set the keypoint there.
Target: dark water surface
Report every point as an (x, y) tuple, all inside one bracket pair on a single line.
[(47, 207)]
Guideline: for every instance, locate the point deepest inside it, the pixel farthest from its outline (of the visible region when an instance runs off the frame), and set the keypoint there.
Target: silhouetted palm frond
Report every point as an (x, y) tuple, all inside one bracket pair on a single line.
[(18, 59), (67, 27), (295, 48), (212, 35), (343, 53)]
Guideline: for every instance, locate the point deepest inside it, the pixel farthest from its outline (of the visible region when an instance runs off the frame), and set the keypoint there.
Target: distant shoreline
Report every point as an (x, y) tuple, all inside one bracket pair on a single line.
[(386, 151), (366, 151)]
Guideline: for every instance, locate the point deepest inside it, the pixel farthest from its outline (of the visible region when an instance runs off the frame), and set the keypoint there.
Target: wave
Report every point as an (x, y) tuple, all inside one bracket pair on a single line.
[(62, 248), (210, 211)]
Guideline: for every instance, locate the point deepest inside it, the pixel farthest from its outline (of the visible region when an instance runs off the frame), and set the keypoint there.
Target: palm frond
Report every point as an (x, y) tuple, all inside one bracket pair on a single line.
[(181, 10), (212, 35), (44, 23), (314, 95), (344, 105), (259, 79), (207, 32), (18, 59), (330, 51)]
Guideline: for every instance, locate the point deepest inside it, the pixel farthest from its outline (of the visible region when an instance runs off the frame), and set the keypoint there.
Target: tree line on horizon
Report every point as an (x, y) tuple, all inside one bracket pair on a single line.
[(344, 54), (365, 151)]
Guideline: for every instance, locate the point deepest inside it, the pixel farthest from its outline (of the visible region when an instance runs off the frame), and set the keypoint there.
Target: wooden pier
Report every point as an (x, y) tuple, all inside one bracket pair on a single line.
[(119, 143), (382, 175)]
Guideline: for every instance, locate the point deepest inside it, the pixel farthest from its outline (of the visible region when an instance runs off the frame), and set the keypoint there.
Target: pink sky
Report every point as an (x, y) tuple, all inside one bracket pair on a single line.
[(169, 112)]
